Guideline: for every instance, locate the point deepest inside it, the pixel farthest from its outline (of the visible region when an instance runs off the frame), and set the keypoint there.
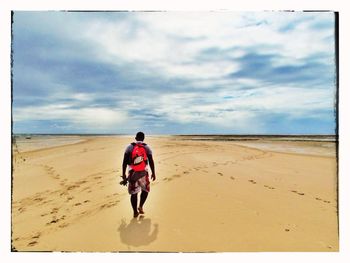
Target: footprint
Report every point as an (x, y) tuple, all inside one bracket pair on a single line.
[(232, 178), (21, 209), (72, 187), (77, 204), (252, 181), (37, 235), (54, 211), (220, 174), (81, 182), (53, 221), (299, 193), (111, 204), (63, 225), (324, 201), (33, 243), (270, 187), (63, 193)]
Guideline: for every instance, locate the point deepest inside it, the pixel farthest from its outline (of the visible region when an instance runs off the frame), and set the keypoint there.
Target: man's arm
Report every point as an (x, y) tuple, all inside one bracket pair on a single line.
[(125, 164), (151, 164)]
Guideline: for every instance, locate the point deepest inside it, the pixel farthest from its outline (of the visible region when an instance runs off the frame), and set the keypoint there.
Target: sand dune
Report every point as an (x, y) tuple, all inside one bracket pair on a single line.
[(208, 196)]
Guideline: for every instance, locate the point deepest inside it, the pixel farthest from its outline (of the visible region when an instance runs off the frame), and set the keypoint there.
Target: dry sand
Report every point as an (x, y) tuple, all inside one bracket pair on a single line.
[(208, 196)]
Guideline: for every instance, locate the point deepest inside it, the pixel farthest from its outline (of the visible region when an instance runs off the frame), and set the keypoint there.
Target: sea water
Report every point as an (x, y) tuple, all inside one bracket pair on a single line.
[(23, 143)]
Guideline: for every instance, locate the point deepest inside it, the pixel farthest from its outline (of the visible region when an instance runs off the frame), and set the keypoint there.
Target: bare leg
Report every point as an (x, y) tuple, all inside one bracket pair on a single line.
[(133, 199), (144, 195)]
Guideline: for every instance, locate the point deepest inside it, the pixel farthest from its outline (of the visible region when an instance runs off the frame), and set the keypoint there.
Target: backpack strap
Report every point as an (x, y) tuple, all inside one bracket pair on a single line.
[(134, 143)]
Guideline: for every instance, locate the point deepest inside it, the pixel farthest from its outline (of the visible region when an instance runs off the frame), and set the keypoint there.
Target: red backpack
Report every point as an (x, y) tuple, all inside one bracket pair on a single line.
[(138, 157)]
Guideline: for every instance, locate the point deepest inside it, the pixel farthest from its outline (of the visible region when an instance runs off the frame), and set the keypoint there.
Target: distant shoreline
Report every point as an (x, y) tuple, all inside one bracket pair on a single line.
[(180, 135), (206, 137), (323, 138)]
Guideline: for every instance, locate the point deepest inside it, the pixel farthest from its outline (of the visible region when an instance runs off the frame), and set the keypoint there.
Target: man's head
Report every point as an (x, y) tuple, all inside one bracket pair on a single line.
[(140, 136)]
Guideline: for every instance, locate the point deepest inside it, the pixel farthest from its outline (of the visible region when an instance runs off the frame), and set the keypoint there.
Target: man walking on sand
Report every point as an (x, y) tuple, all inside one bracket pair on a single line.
[(137, 157)]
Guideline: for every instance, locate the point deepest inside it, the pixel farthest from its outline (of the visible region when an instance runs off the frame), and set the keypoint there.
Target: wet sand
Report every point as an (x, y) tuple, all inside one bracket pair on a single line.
[(209, 196)]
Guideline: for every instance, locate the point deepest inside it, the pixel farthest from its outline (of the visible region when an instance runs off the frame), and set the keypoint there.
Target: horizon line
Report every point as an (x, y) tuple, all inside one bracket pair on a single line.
[(185, 134)]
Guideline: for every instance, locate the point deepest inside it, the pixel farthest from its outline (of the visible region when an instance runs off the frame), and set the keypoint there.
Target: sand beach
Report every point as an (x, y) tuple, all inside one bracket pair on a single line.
[(211, 195)]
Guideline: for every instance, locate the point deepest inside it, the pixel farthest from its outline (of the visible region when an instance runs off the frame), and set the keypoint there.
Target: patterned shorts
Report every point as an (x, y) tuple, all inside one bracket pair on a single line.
[(138, 181)]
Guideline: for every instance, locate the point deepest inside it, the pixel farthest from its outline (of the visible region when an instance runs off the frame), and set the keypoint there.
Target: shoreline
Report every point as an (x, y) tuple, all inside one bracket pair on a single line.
[(35, 141), (281, 144)]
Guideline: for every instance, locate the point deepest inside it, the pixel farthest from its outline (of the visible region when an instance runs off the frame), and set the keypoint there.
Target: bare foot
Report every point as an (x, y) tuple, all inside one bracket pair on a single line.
[(141, 210)]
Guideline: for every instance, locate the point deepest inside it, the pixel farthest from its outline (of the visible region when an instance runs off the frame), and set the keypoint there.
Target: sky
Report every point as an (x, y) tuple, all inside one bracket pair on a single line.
[(174, 72)]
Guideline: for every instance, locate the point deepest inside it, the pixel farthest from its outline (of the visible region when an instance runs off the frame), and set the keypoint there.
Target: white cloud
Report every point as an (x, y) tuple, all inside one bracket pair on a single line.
[(83, 97), (245, 107), (98, 118), (293, 101), (199, 71), (170, 43)]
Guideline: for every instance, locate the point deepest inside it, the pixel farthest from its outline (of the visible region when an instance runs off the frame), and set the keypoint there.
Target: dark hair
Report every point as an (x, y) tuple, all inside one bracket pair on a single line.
[(140, 136)]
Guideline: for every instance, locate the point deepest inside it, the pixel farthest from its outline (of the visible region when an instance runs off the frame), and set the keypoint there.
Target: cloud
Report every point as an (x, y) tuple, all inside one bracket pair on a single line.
[(309, 73), (84, 118), (171, 71)]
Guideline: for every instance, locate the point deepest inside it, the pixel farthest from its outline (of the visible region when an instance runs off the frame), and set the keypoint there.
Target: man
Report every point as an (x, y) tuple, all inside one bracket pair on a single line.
[(138, 156)]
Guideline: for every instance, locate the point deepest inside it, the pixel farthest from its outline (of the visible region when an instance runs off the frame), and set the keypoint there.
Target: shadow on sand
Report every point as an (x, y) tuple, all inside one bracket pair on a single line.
[(138, 232)]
